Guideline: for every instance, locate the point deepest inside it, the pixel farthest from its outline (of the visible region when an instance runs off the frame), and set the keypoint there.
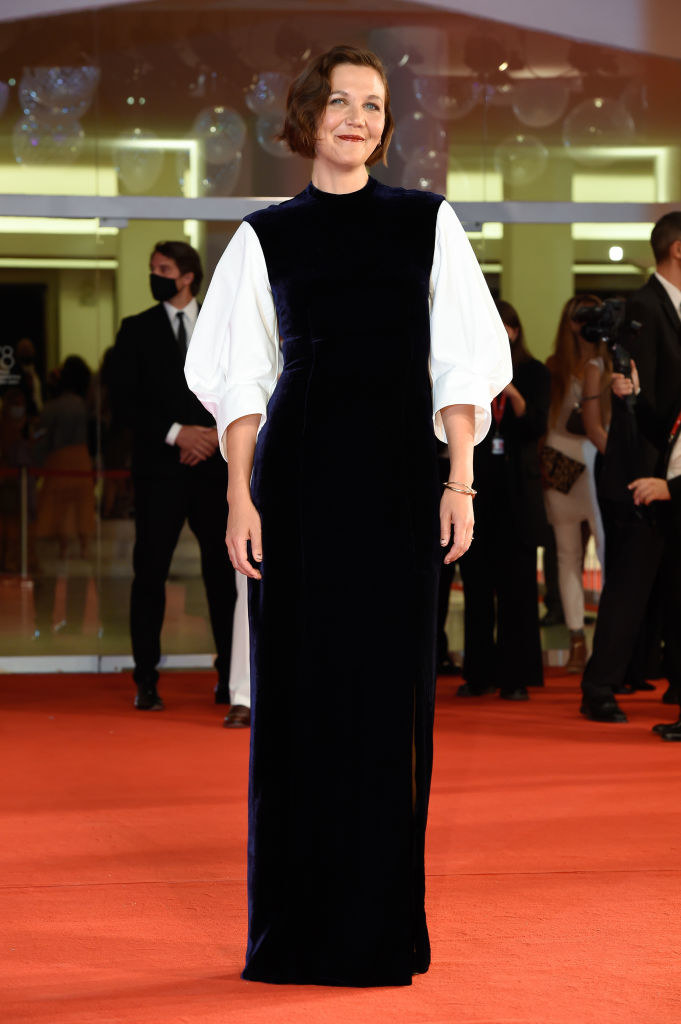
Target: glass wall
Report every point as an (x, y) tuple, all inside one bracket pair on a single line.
[(123, 126)]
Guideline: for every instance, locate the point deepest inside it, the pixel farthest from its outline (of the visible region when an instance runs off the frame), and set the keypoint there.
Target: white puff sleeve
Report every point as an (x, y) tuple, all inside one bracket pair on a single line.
[(470, 355), (232, 360)]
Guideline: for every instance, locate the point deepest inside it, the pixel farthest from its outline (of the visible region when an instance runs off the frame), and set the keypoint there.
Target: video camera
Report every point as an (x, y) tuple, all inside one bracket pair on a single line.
[(605, 323)]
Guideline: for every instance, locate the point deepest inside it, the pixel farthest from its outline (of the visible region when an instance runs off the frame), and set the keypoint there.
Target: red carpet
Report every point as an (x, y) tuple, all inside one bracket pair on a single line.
[(554, 877)]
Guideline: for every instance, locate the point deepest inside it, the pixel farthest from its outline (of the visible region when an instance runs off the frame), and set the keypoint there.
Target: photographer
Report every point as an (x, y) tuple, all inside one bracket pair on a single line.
[(645, 491), (635, 535)]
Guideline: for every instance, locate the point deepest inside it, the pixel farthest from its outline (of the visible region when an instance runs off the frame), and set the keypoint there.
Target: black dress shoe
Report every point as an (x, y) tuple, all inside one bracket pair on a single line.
[(603, 711), (238, 717), (147, 699), (666, 726), (446, 667), (520, 693), (470, 690), (221, 692), (671, 695), (673, 733), (640, 687)]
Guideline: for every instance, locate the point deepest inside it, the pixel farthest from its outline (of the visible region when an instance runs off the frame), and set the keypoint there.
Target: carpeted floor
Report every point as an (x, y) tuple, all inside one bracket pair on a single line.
[(554, 879)]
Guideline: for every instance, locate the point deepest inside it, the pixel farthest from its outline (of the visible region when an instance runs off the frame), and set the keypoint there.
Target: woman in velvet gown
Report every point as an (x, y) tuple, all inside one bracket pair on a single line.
[(369, 292)]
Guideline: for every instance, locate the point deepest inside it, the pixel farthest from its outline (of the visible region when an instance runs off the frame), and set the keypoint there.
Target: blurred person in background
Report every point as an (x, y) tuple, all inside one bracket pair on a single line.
[(577, 432), (15, 452), (66, 501), (647, 491), (178, 474), (636, 534), (499, 571)]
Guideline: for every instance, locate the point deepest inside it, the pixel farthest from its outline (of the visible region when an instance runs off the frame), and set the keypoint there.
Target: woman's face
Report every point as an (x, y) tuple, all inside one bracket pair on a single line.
[(352, 124), (512, 333)]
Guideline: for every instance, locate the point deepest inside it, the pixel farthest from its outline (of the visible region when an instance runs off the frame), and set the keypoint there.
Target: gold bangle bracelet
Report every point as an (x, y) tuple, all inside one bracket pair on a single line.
[(461, 490)]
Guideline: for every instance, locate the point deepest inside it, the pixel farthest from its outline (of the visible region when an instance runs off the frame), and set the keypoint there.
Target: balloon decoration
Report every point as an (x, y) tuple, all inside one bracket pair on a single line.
[(415, 132), (221, 181), (37, 141), (222, 132), (594, 123), (137, 160), (268, 128), (521, 159), (58, 92), (447, 97), (540, 102), (267, 93), (426, 169)]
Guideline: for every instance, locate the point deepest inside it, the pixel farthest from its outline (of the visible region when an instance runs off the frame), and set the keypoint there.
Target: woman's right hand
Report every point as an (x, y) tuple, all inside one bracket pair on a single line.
[(243, 524)]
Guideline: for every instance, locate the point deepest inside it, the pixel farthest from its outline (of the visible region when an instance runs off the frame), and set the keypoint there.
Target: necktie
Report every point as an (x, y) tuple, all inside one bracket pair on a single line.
[(181, 335)]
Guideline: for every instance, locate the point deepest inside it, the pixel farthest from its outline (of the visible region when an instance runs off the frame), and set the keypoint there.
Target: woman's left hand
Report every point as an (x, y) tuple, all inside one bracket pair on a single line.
[(456, 510)]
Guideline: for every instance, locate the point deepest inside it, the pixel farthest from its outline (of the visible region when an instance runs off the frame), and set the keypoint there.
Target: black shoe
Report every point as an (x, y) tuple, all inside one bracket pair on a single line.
[(221, 692), (640, 687), (520, 693), (671, 695), (663, 727), (446, 667), (603, 711), (470, 690), (552, 618), (673, 733), (147, 699)]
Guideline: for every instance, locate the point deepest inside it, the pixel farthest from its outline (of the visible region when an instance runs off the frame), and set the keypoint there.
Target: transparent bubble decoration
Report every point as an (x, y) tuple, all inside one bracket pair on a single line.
[(222, 131), (426, 169), (221, 181), (521, 159), (267, 93), (58, 91), (447, 97), (417, 131), (594, 125), (268, 128), (540, 102), (36, 141), (139, 163)]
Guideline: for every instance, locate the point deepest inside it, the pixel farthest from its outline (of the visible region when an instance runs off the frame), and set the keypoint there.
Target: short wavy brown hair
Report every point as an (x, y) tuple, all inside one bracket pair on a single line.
[(310, 91)]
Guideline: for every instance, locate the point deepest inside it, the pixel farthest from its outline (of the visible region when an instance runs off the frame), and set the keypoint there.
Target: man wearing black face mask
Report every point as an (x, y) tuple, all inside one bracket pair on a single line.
[(178, 472)]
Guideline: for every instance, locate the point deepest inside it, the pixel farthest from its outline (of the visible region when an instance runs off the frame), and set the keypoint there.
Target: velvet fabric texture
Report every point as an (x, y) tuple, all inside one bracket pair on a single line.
[(345, 480)]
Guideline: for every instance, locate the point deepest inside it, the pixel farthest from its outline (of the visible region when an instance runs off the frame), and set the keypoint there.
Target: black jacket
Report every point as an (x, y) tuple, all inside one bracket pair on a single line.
[(509, 486), (150, 393), (656, 349)]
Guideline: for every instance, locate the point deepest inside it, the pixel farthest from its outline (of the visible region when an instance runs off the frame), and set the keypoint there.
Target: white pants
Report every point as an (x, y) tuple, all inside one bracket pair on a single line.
[(566, 512), (240, 668)]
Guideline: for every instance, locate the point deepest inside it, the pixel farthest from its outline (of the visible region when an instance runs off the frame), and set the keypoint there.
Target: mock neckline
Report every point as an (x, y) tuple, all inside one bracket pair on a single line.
[(336, 197)]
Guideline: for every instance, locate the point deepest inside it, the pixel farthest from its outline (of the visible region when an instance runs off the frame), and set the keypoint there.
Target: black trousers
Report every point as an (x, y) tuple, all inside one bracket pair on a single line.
[(500, 586), (634, 551), (161, 507)]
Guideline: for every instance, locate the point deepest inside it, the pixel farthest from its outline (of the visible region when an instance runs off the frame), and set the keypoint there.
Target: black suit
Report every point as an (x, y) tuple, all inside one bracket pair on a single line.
[(502, 561), (635, 540), (151, 394)]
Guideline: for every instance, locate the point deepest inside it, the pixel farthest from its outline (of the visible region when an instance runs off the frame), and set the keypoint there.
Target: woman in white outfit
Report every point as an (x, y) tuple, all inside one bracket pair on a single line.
[(577, 429)]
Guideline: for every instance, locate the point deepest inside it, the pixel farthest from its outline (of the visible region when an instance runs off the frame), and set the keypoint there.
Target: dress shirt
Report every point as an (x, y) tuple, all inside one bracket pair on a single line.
[(233, 361), (191, 313), (672, 291)]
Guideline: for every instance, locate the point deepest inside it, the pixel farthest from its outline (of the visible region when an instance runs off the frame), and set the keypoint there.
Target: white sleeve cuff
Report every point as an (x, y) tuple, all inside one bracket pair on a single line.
[(171, 436), (246, 400), (459, 388)]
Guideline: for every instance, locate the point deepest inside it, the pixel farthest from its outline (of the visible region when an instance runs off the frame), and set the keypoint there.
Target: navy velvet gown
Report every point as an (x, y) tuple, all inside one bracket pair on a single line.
[(345, 480), (343, 622)]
